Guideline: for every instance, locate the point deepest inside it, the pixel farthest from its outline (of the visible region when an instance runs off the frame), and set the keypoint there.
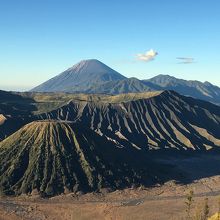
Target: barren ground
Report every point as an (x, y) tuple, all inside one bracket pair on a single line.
[(160, 202)]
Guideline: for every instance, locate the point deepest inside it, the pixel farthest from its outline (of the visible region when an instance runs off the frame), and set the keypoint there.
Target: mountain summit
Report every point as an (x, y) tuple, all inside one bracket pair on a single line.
[(94, 77), (193, 88), (80, 77)]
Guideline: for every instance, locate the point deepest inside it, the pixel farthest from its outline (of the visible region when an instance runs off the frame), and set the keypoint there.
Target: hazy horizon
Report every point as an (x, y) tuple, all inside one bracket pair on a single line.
[(26, 88), (138, 39)]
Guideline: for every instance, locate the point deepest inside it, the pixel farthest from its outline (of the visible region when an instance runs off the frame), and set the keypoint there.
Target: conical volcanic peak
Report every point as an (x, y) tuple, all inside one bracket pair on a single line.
[(94, 77), (80, 77), (91, 65), (50, 157)]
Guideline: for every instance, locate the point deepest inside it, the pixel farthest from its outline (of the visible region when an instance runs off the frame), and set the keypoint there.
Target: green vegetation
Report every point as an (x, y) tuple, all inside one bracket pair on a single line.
[(201, 212), (51, 157), (189, 202), (105, 142)]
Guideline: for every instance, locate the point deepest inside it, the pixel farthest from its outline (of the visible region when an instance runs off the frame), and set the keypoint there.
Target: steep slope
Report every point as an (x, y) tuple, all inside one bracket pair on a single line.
[(94, 77), (80, 77), (130, 85), (149, 120), (50, 157), (15, 111), (23, 107), (2, 119), (98, 142), (14, 104), (166, 120), (205, 91)]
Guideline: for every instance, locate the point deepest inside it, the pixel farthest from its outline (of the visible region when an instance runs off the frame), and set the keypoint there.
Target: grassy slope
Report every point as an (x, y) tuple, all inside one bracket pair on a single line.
[(51, 157), (20, 108)]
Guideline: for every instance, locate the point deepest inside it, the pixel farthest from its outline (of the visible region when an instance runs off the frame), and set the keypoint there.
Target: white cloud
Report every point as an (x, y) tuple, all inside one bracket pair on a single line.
[(186, 60), (148, 56)]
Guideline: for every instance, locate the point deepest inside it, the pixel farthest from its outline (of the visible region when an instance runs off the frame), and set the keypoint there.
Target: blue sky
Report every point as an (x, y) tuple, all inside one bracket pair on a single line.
[(39, 39)]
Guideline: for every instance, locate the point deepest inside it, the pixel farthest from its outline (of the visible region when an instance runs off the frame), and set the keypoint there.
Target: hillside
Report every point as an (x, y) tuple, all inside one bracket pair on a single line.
[(14, 104), (199, 90), (94, 77), (151, 120), (15, 111), (131, 85), (160, 121), (80, 78), (50, 157), (103, 142), (22, 108)]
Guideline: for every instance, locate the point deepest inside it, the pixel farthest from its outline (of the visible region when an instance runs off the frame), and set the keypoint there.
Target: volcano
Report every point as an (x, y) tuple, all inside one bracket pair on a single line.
[(80, 77), (51, 157)]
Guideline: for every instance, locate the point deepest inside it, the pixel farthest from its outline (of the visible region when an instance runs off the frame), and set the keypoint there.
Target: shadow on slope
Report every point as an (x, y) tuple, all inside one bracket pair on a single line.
[(49, 158), (16, 105), (17, 111)]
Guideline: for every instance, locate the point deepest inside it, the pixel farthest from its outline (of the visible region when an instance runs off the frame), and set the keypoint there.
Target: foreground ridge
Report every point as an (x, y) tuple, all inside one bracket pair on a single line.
[(50, 157), (159, 121)]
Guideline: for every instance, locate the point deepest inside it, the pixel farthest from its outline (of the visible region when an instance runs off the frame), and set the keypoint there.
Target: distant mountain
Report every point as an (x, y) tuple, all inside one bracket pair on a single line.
[(129, 85), (199, 90), (80, 78), (94, 77)]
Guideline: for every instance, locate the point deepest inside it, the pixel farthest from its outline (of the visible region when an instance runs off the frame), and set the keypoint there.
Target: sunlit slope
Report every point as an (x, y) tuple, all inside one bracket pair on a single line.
[(150, 120), (18, 109), (80, 77), (165, 120), (50, 157)]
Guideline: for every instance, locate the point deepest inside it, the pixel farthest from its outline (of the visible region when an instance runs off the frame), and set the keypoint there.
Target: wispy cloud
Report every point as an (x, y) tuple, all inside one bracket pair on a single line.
[(185, 60), (148, 56)]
